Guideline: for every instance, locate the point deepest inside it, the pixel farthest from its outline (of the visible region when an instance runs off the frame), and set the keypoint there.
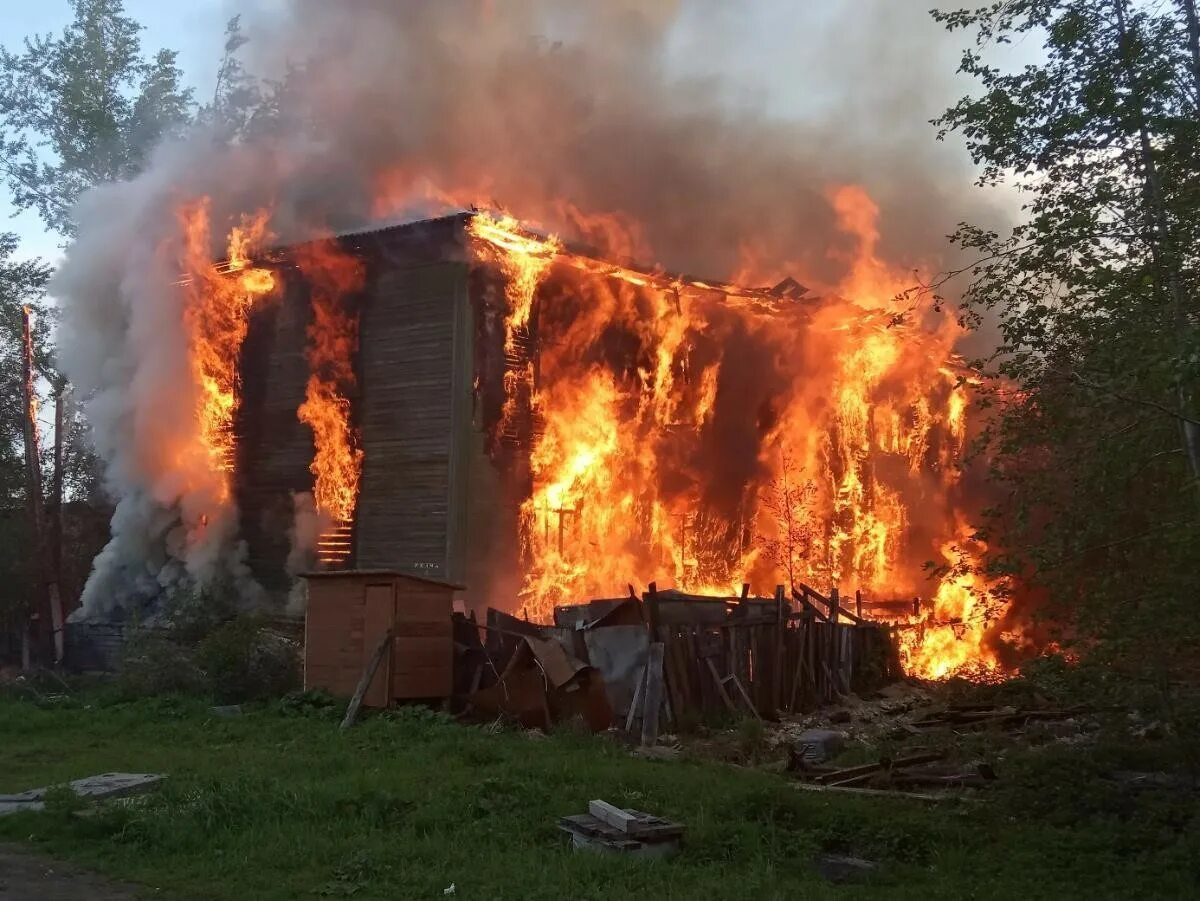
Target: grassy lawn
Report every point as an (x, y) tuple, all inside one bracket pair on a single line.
[(277, 804)]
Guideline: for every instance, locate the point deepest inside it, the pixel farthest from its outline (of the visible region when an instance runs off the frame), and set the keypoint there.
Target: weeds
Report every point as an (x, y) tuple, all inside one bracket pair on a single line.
[(277, 804)]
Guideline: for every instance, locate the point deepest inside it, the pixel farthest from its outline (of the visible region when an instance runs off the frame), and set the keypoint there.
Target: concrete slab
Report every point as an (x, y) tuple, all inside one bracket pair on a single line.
[(100, 788)]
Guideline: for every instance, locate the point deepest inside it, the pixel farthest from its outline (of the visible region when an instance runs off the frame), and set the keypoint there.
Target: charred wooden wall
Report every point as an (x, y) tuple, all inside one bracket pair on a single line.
[(274, 446), (432, 500)]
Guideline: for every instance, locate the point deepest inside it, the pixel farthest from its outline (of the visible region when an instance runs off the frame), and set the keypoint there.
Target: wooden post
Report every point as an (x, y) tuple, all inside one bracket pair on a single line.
[(801, 640), (654, 693), (651, 609), (858, 604), (777, 674), (661, 635), (835, 662)]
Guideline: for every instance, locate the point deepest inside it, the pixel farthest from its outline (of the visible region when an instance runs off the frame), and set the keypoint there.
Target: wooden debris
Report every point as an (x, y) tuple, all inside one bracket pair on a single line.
[(976, 716), (614, 816), (609, 829), (874, 792), (855, 774)]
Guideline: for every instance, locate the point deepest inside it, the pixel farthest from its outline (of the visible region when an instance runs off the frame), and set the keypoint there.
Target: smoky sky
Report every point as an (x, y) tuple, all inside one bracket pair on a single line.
[(693, 133), (705, 127)]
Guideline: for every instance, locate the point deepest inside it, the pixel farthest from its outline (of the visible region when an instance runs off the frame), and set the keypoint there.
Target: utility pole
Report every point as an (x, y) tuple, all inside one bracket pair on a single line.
[(56, 515), (52, 625)]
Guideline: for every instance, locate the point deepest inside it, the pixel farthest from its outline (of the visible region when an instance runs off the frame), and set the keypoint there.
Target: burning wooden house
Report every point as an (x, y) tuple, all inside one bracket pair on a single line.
[(466, 401)]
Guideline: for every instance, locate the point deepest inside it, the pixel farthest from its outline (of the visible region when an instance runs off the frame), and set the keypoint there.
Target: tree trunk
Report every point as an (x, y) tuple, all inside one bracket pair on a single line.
[(48, 602), (1193, 31), (1161, 244)]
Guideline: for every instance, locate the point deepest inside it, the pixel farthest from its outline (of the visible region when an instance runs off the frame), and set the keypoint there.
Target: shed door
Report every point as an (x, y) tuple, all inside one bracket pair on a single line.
[(379, 614)]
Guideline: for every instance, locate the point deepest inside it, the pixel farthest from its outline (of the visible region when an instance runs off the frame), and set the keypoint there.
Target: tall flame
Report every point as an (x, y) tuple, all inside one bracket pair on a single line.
[(637, 475), (332, 275), (218, 300)]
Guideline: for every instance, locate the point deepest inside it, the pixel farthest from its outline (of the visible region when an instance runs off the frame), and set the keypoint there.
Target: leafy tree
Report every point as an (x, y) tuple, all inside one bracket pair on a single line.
[(1096, 433), (788, 499), (84, 108), (238, 98), (21, 284)]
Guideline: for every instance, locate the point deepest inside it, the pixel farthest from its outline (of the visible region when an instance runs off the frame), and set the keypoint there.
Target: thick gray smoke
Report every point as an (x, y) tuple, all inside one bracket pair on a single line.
[(640, 125)]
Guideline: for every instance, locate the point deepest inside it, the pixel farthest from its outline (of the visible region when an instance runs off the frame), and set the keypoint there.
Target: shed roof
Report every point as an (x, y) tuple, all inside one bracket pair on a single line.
[(378, 573)]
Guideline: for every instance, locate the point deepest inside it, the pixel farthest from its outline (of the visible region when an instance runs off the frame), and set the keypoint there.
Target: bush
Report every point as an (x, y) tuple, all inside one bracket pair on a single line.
[(315, 703), (151, 663), (243, 661), (195, 611)]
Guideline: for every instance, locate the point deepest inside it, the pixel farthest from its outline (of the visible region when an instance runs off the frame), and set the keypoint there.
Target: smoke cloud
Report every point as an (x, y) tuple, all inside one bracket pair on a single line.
[(639, 126)]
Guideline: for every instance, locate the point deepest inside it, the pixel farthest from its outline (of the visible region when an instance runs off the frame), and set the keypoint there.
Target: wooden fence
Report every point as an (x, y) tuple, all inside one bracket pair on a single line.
[(765, 655)]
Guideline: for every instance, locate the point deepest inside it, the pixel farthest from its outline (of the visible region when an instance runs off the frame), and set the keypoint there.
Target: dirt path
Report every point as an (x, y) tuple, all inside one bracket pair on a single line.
[(28, 876)]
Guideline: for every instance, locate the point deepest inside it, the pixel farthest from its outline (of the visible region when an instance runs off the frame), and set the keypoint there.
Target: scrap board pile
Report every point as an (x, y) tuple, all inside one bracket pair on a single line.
[(678, 655), (609, 829)]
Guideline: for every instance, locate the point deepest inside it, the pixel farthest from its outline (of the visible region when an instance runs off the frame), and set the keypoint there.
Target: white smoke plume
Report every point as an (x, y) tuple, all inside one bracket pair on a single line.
[(307, 525), (608, 121)]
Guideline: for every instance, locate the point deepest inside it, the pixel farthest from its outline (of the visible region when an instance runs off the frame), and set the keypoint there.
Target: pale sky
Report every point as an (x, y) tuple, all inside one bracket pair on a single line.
[(192, 27)]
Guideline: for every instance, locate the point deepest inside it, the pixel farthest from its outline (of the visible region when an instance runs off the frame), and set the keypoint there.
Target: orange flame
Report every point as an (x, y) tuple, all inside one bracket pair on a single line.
[(950, 637), (332, 275), (872, 414), (218, 300)]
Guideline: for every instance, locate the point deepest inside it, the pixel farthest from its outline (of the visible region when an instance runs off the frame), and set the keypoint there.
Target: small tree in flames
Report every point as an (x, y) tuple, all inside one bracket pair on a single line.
[(789, 499)]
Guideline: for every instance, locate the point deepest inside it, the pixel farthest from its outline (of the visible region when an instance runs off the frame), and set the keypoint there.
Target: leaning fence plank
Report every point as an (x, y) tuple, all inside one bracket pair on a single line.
[(712, 668), (654, 693), (745, 697), (364, 681), (633, 705)]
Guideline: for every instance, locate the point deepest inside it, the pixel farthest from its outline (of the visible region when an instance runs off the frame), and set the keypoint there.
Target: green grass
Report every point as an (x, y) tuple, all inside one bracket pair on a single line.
[(279, 805)]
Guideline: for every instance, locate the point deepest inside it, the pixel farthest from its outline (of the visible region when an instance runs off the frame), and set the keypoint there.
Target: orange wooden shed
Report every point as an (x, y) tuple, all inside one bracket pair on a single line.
[(349, 611)]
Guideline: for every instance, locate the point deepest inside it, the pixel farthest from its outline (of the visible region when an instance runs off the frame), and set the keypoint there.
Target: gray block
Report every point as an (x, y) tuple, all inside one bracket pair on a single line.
[(99, 788), (819, 745)]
